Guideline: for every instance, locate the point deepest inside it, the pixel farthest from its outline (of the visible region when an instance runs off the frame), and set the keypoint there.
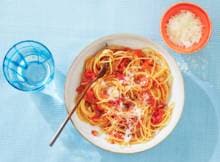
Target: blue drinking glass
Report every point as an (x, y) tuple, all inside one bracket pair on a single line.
[(29, 66)]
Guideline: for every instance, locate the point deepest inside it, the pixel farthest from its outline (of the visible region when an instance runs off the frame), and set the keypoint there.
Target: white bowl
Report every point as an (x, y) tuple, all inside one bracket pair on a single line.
[(73, 80)]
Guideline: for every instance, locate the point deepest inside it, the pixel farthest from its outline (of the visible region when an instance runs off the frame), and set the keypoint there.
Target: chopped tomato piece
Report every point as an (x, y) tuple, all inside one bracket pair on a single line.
[(138, 53), (147, 64), (95, 133), (97, 115), (127, 49), (138, 125), (128, 105), (88, 76), (120, 76), (90, 97), (157, 116), (118, 135), (155, 84), (80, 88), (99, 108), (115, 102), (98, 112), (123, 64)]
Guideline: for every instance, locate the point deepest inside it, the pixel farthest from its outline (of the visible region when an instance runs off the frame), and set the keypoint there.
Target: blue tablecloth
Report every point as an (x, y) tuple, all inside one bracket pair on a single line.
[(27, 121)]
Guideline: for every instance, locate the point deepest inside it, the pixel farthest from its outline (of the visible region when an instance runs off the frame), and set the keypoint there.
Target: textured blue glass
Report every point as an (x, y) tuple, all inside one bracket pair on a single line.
[(28, 66)]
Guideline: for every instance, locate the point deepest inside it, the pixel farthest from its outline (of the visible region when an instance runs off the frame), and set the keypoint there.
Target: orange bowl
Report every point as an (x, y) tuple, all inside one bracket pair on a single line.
[(200, 13)]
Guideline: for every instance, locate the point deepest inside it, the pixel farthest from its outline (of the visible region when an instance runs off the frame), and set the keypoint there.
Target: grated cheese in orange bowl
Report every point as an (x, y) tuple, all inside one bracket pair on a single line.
[(184, 29)]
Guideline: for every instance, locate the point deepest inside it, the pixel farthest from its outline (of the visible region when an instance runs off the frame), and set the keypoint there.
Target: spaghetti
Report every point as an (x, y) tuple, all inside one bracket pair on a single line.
[(130, 103)]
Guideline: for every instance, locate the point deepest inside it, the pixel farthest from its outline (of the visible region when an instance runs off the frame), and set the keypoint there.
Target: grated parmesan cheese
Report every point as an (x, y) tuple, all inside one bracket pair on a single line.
[(184, 29), (137, 112), (113, 92)]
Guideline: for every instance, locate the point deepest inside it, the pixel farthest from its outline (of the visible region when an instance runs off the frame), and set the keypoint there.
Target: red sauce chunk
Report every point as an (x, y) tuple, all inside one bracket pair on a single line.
[(157, 116), (94, 133), (138, 53), (90, 97), (123, 64), (88, 76)]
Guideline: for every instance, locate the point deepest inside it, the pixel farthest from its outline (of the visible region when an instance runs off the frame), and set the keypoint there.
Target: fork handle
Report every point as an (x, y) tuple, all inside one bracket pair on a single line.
[(59, 130)]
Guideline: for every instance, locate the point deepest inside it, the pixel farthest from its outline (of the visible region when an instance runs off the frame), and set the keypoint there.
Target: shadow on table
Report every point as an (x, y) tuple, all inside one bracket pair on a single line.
[(70, 145), (193, 140), (50, 103)]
